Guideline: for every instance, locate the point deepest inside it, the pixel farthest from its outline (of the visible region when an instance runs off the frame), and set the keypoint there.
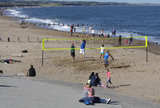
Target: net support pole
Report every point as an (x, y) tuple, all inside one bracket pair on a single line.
[(42, 61), (146, 54), (42, 57), (146, 49)]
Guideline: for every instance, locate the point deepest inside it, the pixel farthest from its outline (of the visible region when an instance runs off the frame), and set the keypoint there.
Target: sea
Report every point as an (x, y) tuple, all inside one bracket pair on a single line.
[(126, 20)]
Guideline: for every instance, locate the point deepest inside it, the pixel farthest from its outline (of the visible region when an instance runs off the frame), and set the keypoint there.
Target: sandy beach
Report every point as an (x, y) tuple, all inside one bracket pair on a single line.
[(140, 79)]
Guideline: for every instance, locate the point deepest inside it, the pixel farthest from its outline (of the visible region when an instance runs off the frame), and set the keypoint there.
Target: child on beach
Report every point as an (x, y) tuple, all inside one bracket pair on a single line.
[(130, 40), (73, 51), (108, 79), (102, 51)]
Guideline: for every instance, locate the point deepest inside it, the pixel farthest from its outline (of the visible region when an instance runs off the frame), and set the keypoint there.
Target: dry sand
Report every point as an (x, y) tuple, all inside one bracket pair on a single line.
[(141, 79)]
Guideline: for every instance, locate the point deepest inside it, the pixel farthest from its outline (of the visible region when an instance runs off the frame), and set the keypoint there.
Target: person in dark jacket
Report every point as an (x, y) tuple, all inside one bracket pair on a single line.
[(130, 40), (92, 79), (97, 80), (120, 40), (31, 72)]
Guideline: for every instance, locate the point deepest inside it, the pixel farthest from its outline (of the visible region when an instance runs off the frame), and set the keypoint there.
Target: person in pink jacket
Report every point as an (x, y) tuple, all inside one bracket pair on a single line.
[(108, 76)]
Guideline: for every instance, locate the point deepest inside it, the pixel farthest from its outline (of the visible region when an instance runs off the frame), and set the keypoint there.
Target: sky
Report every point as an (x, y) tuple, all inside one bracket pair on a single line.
[(130, 1)]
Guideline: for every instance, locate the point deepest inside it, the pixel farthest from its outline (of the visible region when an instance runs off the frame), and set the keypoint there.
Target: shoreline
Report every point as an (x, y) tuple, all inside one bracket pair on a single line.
[(58, 26), (153, 47)]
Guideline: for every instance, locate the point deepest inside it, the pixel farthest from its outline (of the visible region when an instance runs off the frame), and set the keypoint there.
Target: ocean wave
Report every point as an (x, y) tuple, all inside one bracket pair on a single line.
[(15, 13), (56, 24)]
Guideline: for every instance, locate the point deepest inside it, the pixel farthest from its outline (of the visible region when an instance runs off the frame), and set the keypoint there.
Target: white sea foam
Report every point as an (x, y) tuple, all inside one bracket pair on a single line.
[(57, 25), (15, 13), (39, 21)]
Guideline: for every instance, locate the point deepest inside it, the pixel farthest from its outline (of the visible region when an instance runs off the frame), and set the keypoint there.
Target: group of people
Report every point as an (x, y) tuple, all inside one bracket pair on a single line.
[(103, 53), (94, 79), (89, 97), (90, 30), (82, 49)]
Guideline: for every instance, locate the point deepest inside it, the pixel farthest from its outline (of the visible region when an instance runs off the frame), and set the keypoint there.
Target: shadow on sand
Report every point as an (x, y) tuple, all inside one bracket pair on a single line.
[(118, 86), (114, 103), (6, 86)]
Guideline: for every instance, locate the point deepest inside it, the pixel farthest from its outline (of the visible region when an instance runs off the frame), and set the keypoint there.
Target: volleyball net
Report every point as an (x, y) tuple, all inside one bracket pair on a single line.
[(49, 44)]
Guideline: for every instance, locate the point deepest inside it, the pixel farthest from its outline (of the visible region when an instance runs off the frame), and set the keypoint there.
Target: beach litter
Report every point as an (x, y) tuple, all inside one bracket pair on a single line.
[(9, 61)]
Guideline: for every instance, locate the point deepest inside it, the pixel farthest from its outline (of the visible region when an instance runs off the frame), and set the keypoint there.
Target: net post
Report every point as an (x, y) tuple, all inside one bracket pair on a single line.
[(146, 44), (42, 57), (43, 47)]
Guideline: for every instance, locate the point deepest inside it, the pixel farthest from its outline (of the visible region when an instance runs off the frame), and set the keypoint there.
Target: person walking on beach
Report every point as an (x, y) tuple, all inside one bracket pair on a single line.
[(102, 33), (90, 30), (120, 40), (82, 48), (8, 39), (108, 36), (71, 29), (114, 32), (108, 79), (84, 29), (90, 98), (73, 51), (130, 40), (93, 32), (102, 51), (31, 72), (106, 57), (74, 29)]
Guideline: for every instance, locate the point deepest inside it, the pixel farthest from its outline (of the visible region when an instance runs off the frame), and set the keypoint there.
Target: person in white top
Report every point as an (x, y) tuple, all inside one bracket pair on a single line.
[(102, 51), (90, 30), (93, 32)]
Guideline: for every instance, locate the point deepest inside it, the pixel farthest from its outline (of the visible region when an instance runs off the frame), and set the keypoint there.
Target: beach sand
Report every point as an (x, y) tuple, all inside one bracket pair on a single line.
[(140, 79)]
